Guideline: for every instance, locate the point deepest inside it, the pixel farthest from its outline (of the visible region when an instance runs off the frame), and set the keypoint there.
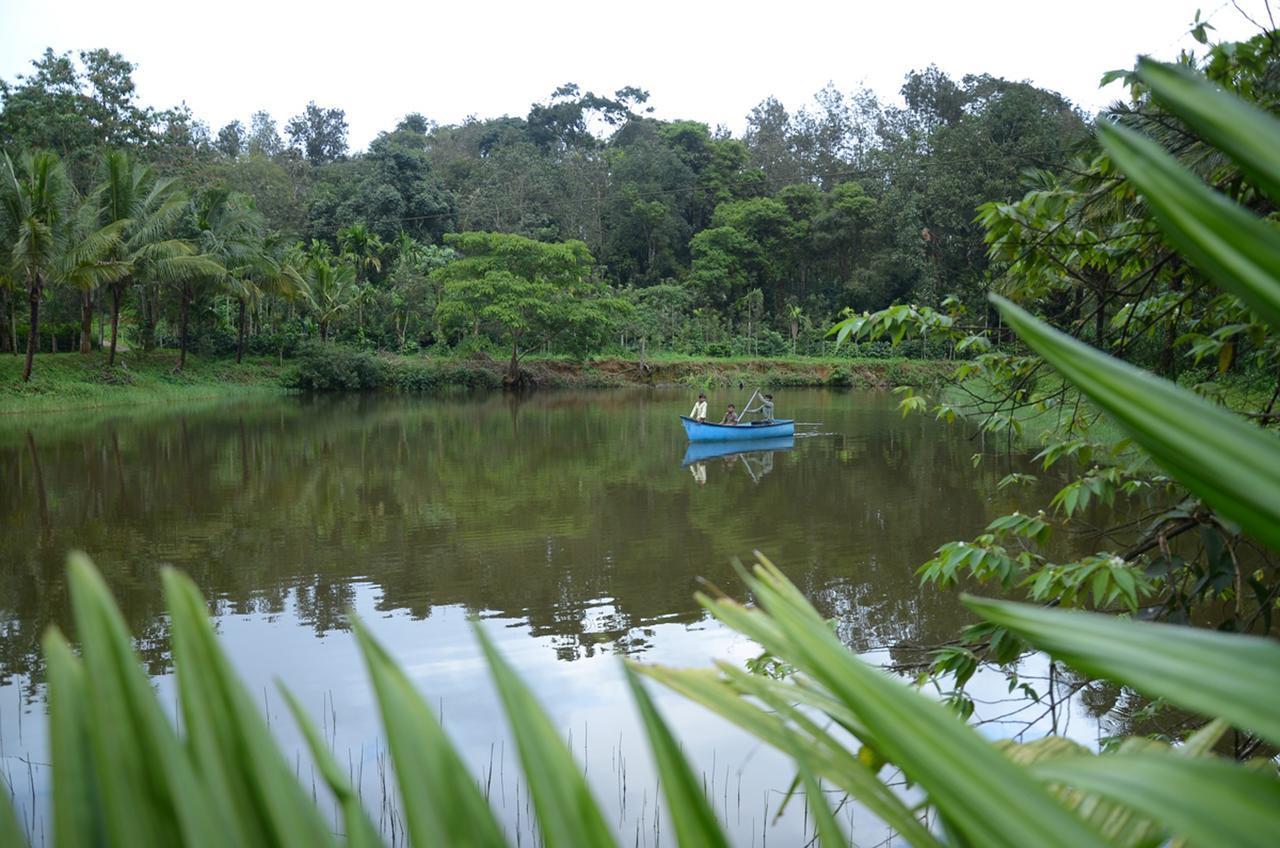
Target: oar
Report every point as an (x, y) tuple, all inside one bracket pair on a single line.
[(807, 423)]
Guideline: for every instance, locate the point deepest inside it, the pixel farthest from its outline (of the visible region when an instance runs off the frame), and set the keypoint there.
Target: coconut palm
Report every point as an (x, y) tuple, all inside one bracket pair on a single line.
[(264, 272), (48, 236), (363, 247), (147, 208), (228, 231), (330, 286)]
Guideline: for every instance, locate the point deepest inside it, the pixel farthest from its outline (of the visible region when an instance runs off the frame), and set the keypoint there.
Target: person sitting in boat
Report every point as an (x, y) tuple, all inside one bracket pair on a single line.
[(699, 412), (730, 417)]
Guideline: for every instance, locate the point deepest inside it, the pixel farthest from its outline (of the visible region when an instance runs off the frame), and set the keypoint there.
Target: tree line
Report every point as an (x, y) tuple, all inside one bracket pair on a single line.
[(693, 240)]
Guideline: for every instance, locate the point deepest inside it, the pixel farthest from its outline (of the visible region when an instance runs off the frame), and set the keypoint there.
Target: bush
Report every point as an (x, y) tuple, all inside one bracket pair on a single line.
[(331, 368), (720, 350)]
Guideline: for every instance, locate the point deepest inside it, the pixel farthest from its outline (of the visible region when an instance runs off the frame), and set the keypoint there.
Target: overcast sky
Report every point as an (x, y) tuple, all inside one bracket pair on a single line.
[(701, 59)]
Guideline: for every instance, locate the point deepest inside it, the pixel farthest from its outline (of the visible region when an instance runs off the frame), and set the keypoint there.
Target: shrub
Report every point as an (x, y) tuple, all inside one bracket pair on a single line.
[(331, 368)]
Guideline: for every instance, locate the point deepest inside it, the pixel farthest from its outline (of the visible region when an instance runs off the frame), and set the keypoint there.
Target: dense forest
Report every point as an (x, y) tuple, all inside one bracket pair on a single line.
[(592, 225)]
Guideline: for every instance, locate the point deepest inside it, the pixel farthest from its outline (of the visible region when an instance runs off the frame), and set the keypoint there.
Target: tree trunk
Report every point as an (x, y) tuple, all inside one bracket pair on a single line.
[(240, 336), (1100, 320), (148, 304), (182, 331), (6, 318), (513, 370), (115, 324), (33, 328), (86, 323), (1168, 362)]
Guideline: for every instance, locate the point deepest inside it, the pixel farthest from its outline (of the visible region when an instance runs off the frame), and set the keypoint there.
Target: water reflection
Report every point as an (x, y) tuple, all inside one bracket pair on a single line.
[(531, 509), (702, 451)]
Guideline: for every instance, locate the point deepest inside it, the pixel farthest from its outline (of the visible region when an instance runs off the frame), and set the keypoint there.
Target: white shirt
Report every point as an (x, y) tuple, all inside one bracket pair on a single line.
[(699, 411)]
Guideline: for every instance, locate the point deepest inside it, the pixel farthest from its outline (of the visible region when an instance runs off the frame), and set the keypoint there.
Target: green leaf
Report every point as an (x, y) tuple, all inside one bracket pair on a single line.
[(692, 817), (151, 792), (1240, 252), (442, 805), (360, 831), (1215, 674), (10, 830), (1206, 800), (228, 738), (1234, 466), (568, 815), (825, 756), (77, 805), (979, 792), (1247, 134)]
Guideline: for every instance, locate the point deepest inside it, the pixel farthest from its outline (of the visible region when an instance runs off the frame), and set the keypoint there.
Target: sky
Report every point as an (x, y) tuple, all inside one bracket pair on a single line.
[(706, 60)]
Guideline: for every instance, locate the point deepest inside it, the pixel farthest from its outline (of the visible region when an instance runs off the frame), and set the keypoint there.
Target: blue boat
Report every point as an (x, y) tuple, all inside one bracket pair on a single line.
[(708, 432), (702, 451)]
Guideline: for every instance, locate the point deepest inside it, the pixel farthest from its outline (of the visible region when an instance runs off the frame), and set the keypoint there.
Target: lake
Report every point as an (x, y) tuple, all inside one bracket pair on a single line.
[(567, 522)]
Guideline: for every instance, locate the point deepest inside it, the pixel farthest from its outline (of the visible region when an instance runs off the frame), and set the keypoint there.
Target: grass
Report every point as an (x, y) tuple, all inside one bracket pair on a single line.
[(67, 381), (70, 381)]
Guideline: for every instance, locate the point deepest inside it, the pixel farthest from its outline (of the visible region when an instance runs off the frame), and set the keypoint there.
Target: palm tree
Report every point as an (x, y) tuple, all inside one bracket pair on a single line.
[(47, 237), (229, 233), (363, 247), (260, 274), (147, 207), (331, 288)]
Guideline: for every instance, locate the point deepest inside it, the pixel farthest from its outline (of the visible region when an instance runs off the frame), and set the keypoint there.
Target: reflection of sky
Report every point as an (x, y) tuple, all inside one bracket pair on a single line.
[(586, 698)]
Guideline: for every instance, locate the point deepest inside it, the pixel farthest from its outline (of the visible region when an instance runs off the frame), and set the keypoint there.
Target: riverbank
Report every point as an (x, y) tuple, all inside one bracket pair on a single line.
[(70, 381)]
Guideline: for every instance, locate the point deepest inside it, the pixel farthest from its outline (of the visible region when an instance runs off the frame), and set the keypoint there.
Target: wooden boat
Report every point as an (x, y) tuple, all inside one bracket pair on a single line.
[(708, 432), (702, 451)]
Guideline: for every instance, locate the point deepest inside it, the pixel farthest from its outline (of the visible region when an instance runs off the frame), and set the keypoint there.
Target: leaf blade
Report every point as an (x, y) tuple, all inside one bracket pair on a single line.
[(1232, 465), (1231, 676)]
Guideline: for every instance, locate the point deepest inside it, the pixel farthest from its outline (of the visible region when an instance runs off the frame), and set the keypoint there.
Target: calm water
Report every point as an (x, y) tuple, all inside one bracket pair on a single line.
[(569, 522)]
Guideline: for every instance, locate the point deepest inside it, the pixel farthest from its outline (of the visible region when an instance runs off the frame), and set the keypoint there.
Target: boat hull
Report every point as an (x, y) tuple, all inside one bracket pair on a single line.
[(708, 432)]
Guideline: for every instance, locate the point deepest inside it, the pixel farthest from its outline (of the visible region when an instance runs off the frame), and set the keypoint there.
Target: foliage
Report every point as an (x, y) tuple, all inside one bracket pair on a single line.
[(1089, 239), (845, 201), (334, 368), (526, 290)]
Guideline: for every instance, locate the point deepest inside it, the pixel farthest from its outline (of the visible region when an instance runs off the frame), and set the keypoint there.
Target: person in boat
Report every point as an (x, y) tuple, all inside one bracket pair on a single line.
[(699, 412), (765, 409), (730, 417)]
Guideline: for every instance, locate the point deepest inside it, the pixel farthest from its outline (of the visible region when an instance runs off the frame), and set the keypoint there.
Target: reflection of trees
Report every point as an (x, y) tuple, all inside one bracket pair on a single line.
[(567, 510)]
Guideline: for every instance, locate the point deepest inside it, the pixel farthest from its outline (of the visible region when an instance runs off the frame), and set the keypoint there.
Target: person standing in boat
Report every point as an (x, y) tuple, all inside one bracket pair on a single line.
[(730, 417), (765, 409), (699, 412)]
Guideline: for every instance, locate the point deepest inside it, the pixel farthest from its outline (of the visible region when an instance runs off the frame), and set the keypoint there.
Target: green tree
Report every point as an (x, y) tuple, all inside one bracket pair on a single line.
[(146, 209), (362, 248), (526, 291), (49, 237), (318, 134), (330, 287)]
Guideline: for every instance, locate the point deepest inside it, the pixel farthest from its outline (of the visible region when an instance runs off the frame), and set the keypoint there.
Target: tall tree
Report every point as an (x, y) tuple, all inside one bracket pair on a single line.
[(47, 237), (330, 287), (145, 208), (319, 134)]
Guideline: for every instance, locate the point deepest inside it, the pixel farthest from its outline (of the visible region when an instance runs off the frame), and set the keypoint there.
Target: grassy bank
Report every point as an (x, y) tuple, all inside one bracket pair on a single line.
[(64, 381), (70, 381), (339, 370)]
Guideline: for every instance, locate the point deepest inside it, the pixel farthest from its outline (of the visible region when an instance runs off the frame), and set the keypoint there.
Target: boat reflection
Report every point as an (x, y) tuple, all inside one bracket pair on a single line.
[(756, 455)]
